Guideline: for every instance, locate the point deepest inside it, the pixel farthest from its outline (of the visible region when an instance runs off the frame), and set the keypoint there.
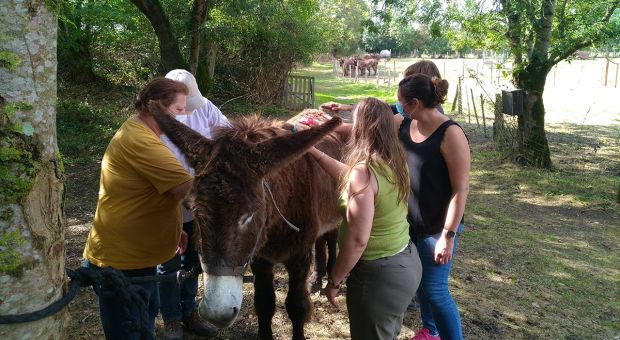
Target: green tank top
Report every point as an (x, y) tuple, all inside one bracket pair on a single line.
[(390, 230)]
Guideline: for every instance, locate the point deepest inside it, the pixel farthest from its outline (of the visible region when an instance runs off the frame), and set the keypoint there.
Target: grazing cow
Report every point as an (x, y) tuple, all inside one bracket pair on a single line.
[(258, 198)]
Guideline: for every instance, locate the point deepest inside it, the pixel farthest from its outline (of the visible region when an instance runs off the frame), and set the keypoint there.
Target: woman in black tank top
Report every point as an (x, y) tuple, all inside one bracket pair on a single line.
[(438, 157)]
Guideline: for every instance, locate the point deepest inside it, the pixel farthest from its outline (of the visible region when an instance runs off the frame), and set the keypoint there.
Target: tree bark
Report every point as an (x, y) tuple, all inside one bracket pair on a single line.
[(170, 53), (205, 73), (32, 231), (199, 15), (534, 148)]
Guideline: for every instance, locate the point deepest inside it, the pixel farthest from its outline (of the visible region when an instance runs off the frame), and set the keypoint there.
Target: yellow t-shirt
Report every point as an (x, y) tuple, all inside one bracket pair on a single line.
[(137, 224)]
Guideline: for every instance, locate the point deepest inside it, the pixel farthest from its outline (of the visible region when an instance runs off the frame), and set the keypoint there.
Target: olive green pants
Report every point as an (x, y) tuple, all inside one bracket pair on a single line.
[(378, 293)]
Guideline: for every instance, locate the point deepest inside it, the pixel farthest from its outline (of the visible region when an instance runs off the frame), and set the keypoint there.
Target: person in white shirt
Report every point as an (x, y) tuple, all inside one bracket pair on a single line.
[(178, 302)]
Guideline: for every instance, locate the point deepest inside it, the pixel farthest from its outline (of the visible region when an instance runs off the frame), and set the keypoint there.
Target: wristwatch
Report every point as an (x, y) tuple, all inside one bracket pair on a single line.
[(450, 233)]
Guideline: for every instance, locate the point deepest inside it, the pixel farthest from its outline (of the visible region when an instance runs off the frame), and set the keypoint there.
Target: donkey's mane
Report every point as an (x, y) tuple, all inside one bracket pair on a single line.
[(253, 128)]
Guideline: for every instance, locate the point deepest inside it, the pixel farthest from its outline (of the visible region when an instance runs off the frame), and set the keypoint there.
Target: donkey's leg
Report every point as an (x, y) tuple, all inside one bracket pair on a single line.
[(298, 305), (319, 263), (264, 297), (332, 239)]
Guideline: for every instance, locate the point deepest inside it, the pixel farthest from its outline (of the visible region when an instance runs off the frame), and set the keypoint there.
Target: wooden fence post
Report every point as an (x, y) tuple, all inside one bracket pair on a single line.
[(460, 100), (394, 70), (473, 102), (499, 133), (468, 107), (456, 95), (616, 81), (484, 121), (606, 72)]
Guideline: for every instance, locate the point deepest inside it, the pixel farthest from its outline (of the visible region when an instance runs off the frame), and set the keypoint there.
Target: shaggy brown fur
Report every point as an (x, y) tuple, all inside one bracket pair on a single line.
[(231, 172)]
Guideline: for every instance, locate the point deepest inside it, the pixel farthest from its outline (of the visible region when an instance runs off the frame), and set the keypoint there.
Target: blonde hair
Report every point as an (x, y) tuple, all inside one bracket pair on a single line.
[(374, 137)]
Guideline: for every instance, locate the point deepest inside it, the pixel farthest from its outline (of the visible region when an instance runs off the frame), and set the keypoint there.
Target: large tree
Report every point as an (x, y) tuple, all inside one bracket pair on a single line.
[(201, 52), (32, 234), (541, 33)]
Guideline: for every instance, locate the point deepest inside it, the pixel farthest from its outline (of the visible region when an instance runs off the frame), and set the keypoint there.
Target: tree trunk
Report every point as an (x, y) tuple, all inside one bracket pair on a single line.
[(32, 235), (534, 148), (533, 145), (199, 14), (170, 53)]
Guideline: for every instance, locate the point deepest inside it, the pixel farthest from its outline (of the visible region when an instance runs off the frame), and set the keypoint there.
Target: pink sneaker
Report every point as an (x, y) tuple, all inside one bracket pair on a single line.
[(424, 334)]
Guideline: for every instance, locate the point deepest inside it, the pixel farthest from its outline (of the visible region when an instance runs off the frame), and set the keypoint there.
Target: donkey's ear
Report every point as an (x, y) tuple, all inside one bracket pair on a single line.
[(279, 151), (193, 145)]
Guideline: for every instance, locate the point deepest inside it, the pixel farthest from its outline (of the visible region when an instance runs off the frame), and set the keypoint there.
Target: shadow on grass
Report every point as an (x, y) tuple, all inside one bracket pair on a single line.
[(540, 254)]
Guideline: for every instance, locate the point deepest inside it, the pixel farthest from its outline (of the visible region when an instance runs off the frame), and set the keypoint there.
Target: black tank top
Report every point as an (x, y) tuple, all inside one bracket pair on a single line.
[(431, 190)]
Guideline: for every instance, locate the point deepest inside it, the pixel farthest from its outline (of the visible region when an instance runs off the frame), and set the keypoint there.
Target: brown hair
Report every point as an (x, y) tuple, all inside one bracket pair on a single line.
[(162, 89), (431, 91), (423, 66), (374, 136)]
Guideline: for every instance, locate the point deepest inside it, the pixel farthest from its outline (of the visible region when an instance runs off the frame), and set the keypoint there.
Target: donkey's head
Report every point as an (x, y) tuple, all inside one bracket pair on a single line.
[(229, 198)]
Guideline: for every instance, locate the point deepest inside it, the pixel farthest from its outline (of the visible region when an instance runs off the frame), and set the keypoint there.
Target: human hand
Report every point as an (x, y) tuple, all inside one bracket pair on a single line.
[(443, 249), (331, 292), (182, 243)]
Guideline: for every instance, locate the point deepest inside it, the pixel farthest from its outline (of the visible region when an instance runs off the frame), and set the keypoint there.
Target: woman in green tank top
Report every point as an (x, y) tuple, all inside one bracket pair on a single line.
[(381, 266)]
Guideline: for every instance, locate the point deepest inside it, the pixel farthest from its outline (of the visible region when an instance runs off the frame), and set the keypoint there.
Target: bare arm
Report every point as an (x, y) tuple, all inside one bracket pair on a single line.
[(455, 151), (360, 213), (180, 191), (333, 167), (344, 129)]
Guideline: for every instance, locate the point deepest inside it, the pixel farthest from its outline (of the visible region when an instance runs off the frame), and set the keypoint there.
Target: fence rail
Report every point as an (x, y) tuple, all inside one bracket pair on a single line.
[(299, 93)]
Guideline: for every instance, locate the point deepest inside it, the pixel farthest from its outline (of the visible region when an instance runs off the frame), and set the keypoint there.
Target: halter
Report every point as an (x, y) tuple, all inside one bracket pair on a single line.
[(240, 270)]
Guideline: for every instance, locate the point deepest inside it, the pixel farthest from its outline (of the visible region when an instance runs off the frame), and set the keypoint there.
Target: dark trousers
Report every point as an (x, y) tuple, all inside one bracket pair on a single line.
[(178, 301), (378, 292), (114, 320)]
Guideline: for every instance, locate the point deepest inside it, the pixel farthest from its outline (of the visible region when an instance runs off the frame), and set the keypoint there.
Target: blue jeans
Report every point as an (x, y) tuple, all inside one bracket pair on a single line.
[(114, 322), (180, 301), (439, 312)]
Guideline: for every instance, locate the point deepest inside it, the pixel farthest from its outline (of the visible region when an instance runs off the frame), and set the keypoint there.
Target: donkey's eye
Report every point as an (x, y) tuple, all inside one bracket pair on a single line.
[(244, 220)]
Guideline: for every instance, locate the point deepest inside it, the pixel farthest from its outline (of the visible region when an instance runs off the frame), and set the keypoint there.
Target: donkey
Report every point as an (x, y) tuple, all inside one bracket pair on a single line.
[(259, 199), (325, 252)]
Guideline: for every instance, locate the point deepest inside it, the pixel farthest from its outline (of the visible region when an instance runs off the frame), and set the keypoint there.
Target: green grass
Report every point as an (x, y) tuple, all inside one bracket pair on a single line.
[(331, 88)]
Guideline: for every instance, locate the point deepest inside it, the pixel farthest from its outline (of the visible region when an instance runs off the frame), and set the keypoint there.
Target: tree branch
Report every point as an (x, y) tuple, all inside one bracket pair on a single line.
[(170, 54), (588, 39), (561, 20), (199, 15), (543, 31), (514, 31)]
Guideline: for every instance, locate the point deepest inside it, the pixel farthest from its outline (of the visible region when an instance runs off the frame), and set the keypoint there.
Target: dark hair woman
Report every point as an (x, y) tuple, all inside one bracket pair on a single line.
[(438, 159)]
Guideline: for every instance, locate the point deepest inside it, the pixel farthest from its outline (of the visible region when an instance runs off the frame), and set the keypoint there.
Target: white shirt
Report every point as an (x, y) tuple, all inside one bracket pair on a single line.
[(203, 120)]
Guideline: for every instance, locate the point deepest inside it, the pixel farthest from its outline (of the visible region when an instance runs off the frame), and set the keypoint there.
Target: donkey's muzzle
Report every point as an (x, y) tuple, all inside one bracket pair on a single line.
[(222, 299)]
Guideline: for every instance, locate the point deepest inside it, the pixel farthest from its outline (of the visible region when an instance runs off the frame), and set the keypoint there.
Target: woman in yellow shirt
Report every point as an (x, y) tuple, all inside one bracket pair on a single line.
[(137, 224)]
